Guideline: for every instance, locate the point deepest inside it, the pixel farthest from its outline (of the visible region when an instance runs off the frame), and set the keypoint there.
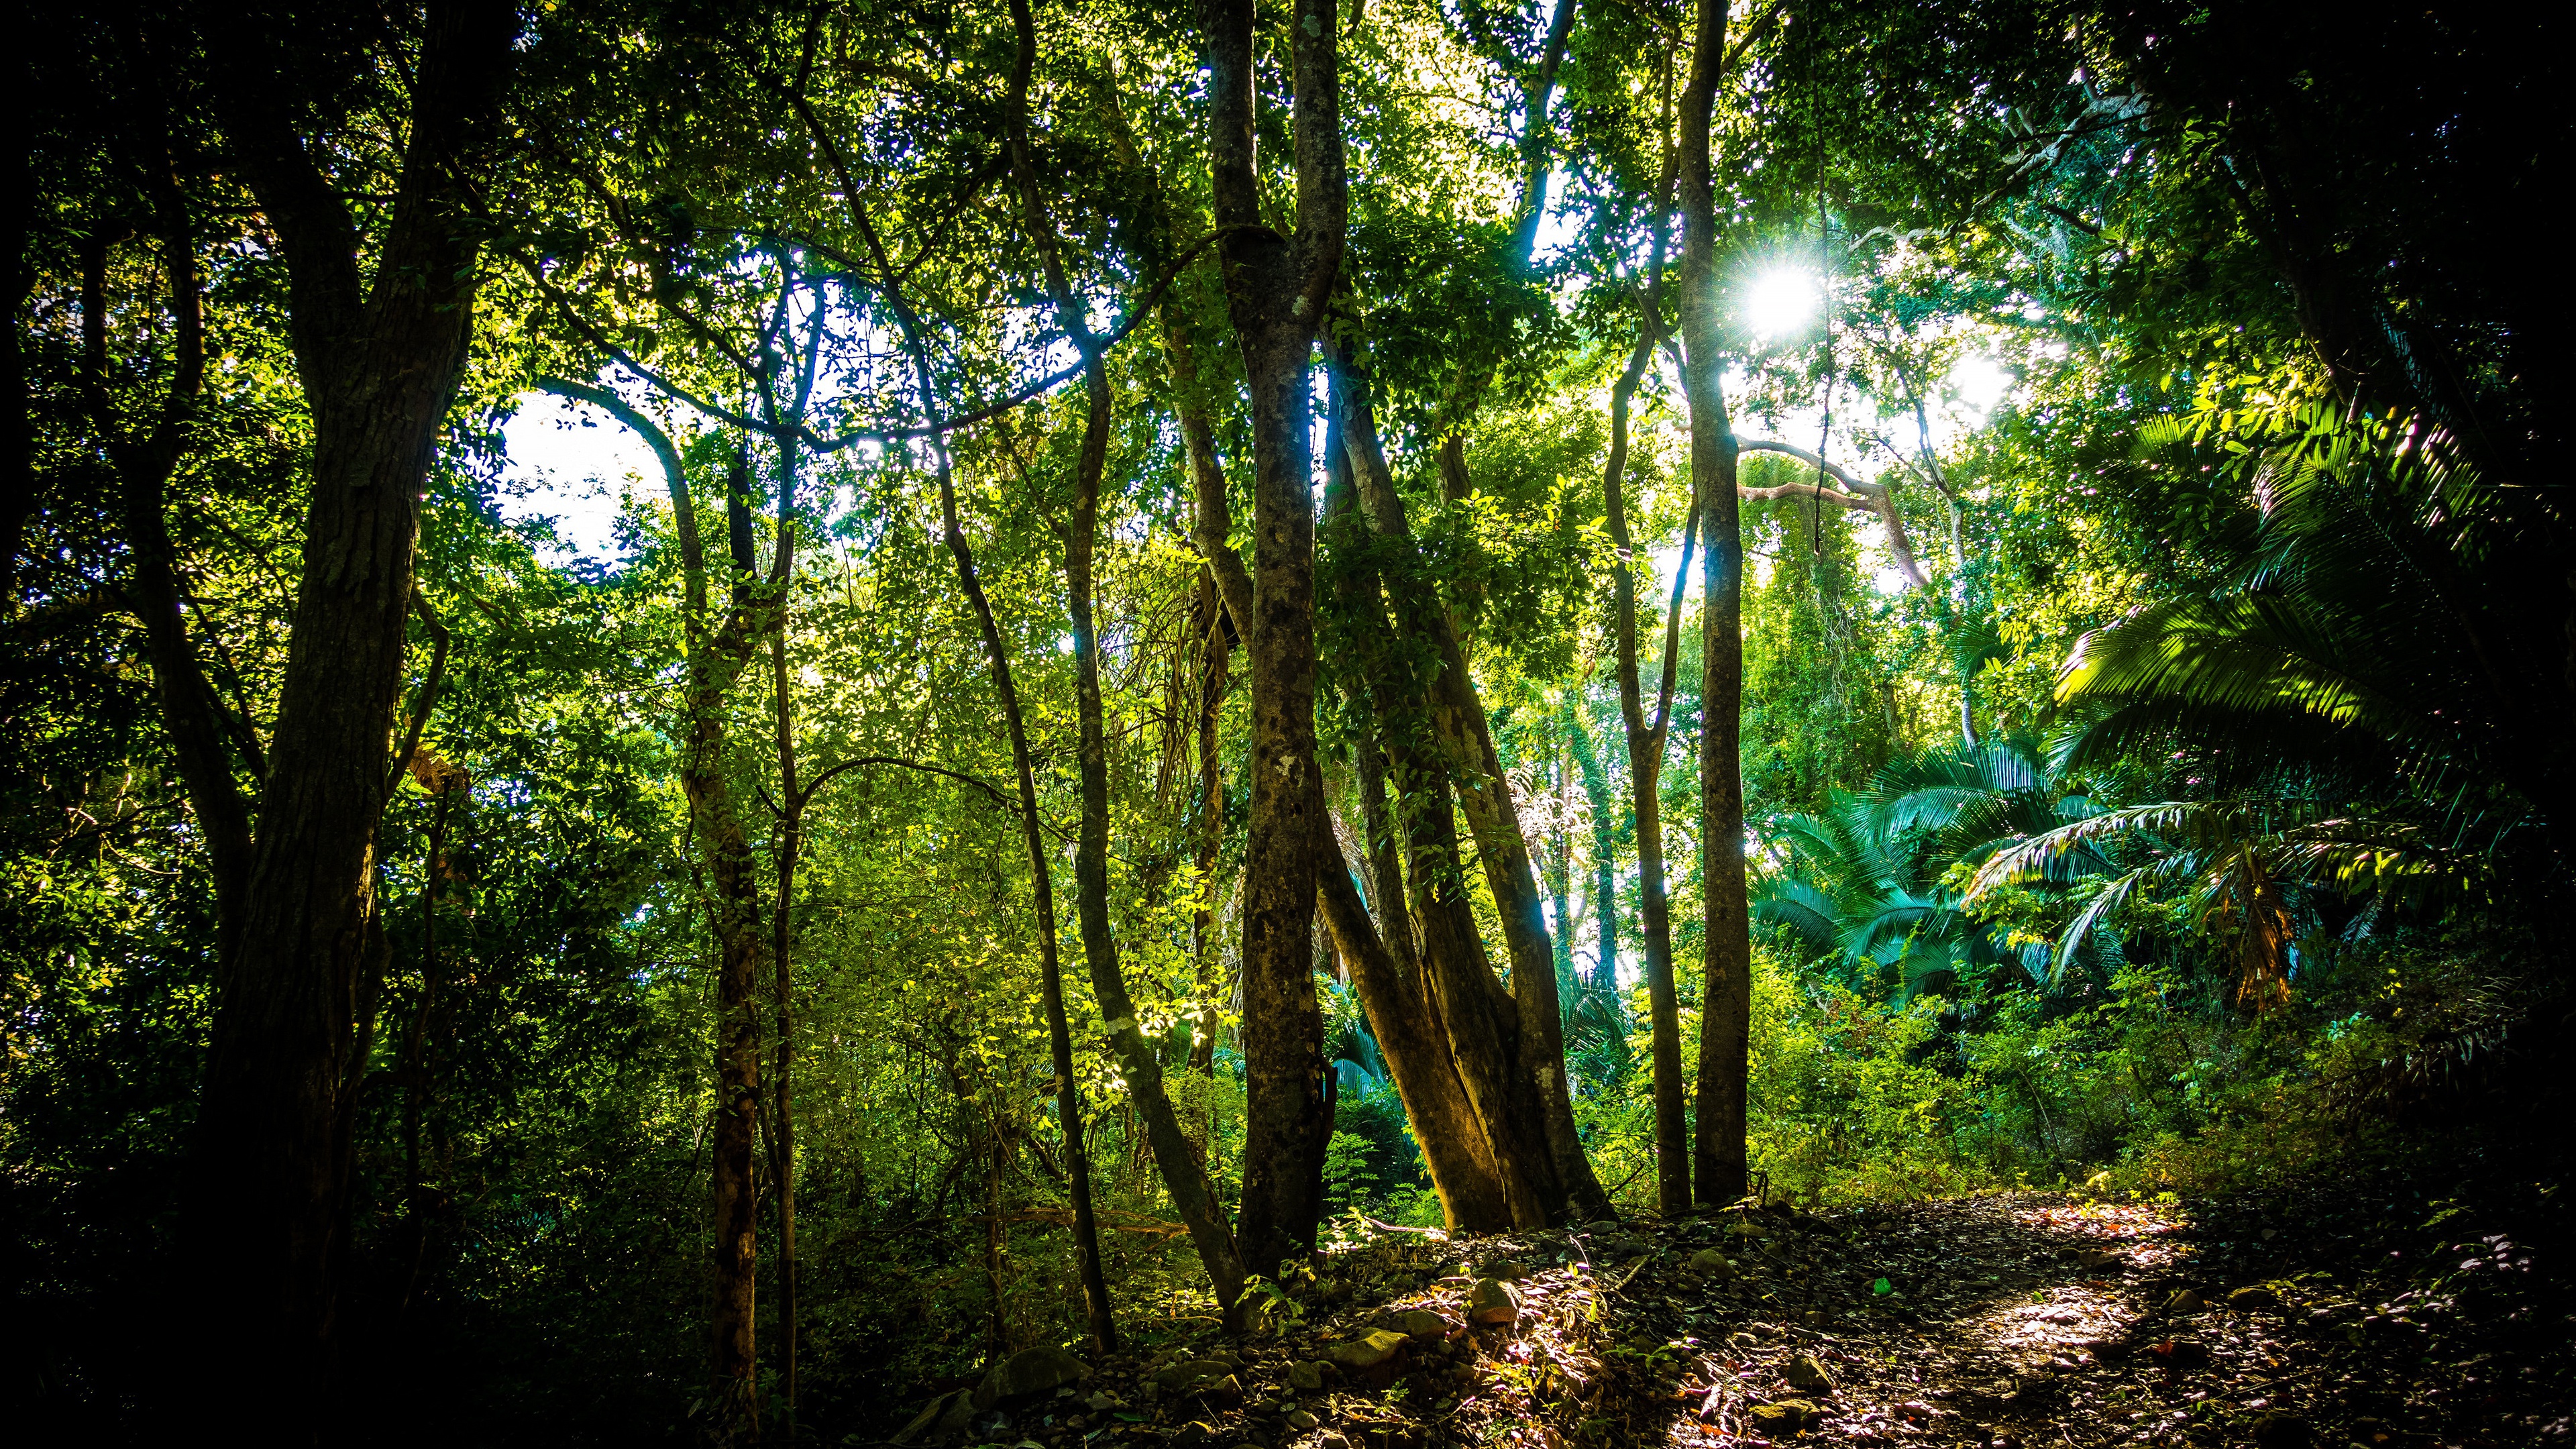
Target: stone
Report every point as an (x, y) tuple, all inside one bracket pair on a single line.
[(1494, 1300), (1197, 1431), (1307, 1377), (2185, 1301), (2252, 1297), (1190, 1375), (1102, 1402), (1505, 1269), (1710, 1263), (1785, 1415), (1301, 1421), (1805, 1373), (1419, 1323), (1027, 1374), (1378, 1348), (933, 1420)]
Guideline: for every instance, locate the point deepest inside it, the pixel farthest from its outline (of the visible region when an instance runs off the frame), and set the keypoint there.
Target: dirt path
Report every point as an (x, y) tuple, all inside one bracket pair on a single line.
[(2022, 1321)]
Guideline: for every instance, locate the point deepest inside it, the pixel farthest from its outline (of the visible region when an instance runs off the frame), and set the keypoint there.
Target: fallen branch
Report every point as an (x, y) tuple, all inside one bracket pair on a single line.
[(1395, 1228)]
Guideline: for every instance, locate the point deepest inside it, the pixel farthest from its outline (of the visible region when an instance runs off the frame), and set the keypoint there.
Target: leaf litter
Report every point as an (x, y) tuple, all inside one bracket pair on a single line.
[(2371, 1316)]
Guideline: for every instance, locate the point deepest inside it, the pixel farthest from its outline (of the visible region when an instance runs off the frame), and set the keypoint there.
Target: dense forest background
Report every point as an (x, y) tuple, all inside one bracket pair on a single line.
[(1225, 624)]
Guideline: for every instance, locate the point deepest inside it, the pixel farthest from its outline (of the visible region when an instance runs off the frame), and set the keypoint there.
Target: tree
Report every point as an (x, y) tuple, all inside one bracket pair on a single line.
[(379, 358), (1276, 290)]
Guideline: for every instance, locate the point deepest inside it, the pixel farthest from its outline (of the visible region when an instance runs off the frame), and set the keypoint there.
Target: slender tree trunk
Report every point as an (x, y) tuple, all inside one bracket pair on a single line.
[(1646, 738), (1276, 290), (1605, 852), (267, 1204), (1212, 623), (734, 908), (189, 709), (415, 1062), (1091, 850), (1560, 885), (791, 829), (1726, 1006)]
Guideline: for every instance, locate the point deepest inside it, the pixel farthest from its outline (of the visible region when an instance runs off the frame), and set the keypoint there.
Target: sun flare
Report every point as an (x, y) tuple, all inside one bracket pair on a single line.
[(1780, 301)]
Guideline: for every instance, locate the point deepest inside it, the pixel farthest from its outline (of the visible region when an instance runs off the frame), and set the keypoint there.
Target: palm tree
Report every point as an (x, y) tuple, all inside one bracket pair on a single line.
[(1869, 881), (2355, 704)]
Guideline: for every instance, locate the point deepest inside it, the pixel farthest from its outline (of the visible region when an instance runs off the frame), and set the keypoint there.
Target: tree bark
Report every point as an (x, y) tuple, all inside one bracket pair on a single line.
[(1385, 968), (1082, 539), (717, 654), (791, 830), (1212, 623), (1605, 855), (379, 363), (734, 910), (1726, 1005), (1646, 739), (1276, 290), (1456, 716)]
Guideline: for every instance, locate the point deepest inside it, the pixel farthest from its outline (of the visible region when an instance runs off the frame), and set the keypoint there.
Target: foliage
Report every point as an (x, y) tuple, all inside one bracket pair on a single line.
[(2201, 813)]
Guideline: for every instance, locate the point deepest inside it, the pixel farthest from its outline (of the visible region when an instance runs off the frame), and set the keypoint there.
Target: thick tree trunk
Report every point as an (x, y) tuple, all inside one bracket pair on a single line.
[(1385, 967), (379, 365), (1726, 1006), (1276, 289), (1456, 716)]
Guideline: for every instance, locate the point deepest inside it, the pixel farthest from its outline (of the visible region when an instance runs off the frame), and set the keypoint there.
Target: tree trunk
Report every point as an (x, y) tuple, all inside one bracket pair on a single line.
[(717, 655), (1276, 289), (1726, 1006), (1560, 882), (1646, 738), (791, 829), (1385, 968), (1212, 623), (1456, 716), (1605, 854), (189, 709), (1091, 850), (266, 1209), (734, 910)]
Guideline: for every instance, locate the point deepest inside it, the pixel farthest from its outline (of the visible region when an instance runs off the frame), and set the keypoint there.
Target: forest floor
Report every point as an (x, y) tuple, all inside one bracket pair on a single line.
[(2348, 1311)]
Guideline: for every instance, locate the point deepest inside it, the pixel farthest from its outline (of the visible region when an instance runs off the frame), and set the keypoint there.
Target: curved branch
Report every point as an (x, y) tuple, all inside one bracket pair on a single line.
[(819, 781), (693, 561), (1871, 497), (936, 426)]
